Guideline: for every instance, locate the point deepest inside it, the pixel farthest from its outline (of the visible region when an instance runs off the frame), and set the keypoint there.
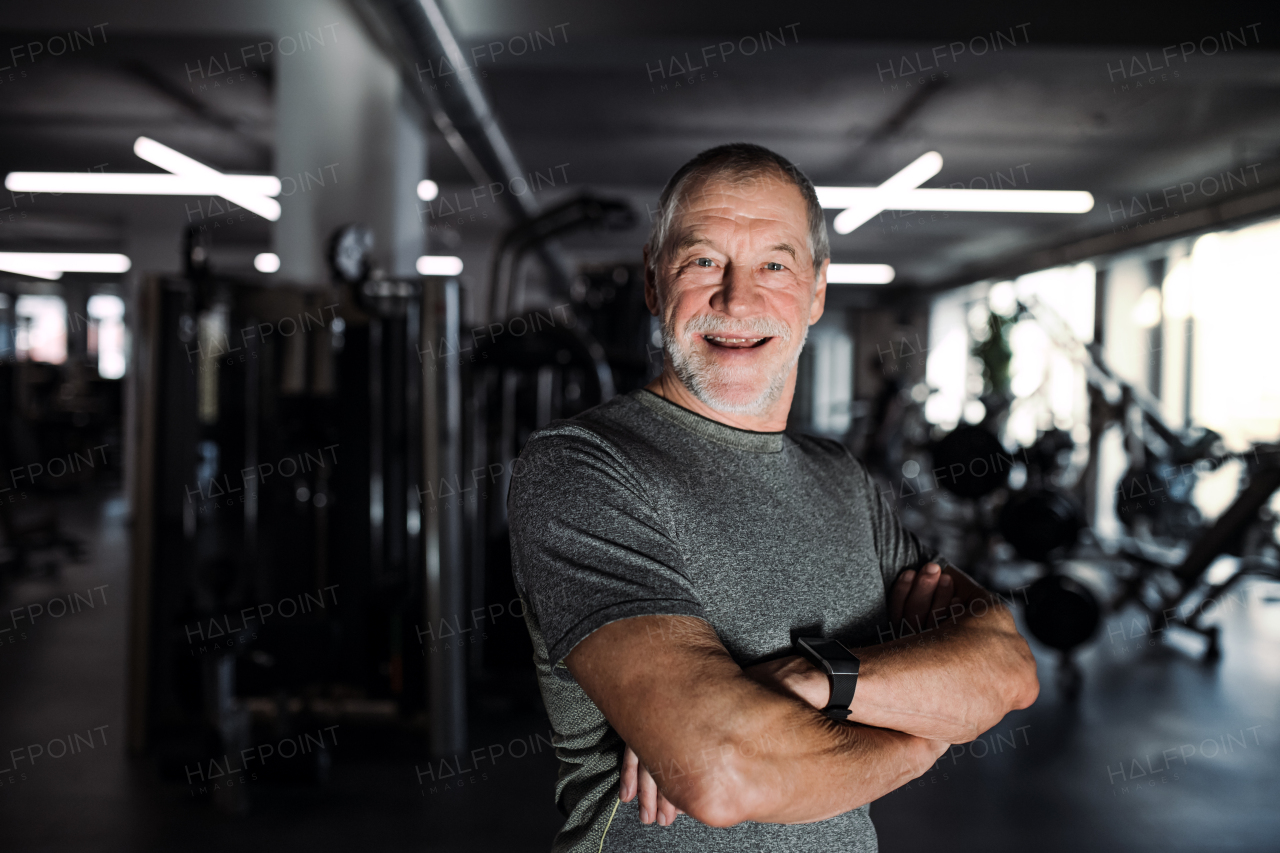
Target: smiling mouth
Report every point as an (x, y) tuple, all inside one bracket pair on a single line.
[(735, 341)]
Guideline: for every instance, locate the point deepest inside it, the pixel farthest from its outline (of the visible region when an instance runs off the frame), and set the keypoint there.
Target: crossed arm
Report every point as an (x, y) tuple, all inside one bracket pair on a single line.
[(726, 744)]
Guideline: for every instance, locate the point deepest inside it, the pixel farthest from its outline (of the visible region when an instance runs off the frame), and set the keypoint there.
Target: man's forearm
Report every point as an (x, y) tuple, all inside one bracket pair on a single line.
[(724, 746), (951, 683), (807, 780), (782, 762)]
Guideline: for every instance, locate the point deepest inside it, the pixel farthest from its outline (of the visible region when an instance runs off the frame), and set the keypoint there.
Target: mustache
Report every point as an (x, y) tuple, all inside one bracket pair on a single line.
[(766, 327)]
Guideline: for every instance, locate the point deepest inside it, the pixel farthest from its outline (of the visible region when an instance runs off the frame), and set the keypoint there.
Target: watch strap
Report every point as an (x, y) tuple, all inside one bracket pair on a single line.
[(842, 690)]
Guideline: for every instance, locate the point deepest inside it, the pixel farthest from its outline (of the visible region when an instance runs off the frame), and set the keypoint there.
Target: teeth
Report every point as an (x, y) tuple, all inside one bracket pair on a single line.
[(726, 340)]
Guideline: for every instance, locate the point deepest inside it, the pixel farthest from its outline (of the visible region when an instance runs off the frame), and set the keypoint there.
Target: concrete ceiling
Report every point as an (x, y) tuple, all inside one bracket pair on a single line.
[(1047, 111), (82, 112), (835, 93)]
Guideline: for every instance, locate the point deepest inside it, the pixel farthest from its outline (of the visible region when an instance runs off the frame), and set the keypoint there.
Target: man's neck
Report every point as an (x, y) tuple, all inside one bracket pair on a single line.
[(669, 387)]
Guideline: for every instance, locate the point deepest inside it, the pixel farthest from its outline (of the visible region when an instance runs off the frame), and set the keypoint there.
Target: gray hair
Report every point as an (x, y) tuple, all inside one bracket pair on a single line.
[(737, 162)]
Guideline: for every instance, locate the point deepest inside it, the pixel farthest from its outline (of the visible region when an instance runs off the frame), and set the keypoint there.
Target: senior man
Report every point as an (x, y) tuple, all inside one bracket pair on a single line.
[(677, 550)]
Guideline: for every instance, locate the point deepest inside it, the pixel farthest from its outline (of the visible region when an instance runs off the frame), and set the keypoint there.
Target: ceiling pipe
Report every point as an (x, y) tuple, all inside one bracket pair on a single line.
[(461, 110), (465, 117)]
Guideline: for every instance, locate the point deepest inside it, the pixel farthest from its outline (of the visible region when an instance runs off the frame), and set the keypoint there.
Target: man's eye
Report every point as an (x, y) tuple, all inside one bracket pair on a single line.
[(704, 262), (773, 266)]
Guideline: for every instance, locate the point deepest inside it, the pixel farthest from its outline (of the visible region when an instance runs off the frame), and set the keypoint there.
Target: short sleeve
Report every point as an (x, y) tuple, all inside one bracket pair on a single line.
[(897, 548), (588, 542)]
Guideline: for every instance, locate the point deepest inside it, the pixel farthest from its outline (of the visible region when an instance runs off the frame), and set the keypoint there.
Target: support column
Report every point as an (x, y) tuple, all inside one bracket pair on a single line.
[(350, 146)]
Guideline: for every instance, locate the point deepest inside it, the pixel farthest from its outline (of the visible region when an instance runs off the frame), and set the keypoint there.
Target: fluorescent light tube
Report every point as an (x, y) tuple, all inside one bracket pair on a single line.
[(439, 265), (868, 205), (51, 265), (140, 183), (902, 192), (48, 275), (180, 164), (992, 201), (186, 177), (859, 274)]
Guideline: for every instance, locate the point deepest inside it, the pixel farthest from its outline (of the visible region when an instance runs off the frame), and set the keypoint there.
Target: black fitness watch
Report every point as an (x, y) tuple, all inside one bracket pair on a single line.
[(841, 667)]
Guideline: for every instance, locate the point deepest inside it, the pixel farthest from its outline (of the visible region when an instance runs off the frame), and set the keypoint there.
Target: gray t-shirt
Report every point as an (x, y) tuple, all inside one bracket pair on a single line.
[(641, 507)]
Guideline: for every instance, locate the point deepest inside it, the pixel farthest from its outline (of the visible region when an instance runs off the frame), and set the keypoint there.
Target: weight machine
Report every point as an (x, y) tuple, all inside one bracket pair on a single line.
[(1166, 548), (284, 561)]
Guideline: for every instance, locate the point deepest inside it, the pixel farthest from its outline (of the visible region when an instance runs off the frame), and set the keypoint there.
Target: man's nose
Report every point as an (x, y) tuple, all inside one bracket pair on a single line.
[(738, 294)]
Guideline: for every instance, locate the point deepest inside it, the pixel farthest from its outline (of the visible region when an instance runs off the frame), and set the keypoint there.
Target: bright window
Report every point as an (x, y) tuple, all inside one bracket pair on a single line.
[(42, 328), (107, 334), (947, 367), (1047, 382), (832, 379), (1234, 283)]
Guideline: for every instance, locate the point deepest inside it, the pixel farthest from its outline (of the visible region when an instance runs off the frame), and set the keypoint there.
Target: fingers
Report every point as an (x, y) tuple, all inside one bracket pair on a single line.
[(666, 812), (943, 595), (630, 765), (921, 594), (648, 797), (898, 595), (924, 598), (636, 779)]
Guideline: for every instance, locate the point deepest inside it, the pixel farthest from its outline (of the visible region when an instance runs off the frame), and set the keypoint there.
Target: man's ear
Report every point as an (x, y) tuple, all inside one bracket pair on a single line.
[(650, 285), (819, 304)]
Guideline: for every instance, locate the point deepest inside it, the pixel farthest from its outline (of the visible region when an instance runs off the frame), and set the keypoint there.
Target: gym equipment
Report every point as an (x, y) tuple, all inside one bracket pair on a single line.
[(970, 462), (285, 560), (1039, 523), (1064, 609)]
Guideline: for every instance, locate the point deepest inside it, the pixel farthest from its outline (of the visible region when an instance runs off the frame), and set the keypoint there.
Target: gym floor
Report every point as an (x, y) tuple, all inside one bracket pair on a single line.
[(1160, 752)]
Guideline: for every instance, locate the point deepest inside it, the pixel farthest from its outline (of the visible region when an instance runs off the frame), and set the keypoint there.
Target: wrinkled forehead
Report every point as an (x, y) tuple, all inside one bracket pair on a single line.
[(761, 200)]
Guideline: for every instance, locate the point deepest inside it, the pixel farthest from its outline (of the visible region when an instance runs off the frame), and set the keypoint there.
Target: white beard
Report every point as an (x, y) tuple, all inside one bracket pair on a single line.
[(714, 384)]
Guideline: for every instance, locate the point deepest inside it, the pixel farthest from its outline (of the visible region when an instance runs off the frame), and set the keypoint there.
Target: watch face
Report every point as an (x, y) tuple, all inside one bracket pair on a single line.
[(841, 660), (832, 650)]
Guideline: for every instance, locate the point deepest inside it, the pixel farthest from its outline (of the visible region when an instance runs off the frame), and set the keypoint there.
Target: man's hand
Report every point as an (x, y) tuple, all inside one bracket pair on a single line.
[(637, 779), (949, 681), (919, 597)]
